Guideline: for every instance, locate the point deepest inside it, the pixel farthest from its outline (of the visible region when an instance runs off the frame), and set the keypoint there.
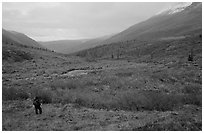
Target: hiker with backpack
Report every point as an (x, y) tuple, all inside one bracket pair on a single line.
[(37, 104)]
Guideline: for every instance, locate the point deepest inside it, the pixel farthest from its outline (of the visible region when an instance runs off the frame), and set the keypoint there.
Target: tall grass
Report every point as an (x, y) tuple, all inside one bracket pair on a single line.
[(116, 95), (80, 92), (192, 89), (14, 94), (62, 84), (44, 94)]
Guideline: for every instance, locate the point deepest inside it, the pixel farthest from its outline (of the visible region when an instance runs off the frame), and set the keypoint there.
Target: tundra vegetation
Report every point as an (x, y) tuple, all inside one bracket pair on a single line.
[(145, 87)]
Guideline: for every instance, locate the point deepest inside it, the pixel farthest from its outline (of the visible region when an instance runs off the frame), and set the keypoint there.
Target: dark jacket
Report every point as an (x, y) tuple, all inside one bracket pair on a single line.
[(36, 102)]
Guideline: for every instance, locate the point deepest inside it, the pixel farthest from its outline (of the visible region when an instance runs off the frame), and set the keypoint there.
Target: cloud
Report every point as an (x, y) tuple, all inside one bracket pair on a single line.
[(52, 21), (49, 34)]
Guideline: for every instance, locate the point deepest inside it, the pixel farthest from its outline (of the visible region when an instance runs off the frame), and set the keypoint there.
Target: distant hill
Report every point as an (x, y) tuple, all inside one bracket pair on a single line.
[(177, 21), (17, 47), (61, 46), (71, 46), (14, 37)]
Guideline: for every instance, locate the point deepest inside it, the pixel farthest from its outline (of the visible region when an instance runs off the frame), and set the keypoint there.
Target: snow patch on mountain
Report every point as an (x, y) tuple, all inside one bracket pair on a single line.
[(175, 8)]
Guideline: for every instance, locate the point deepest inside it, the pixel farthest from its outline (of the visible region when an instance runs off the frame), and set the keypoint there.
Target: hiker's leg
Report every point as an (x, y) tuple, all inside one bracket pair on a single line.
[(40, 109), (36, 110)]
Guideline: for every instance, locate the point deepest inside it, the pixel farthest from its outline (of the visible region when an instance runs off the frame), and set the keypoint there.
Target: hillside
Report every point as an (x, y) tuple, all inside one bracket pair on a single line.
[(62, 46), (155, 36), (184, 22), (128, 85), (176, 22), (71, 46), (17, 47), (13, 37), (101, 95), (163, 51)]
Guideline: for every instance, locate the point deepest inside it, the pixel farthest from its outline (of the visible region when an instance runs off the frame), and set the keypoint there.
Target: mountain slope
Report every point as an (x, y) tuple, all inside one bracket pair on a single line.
[(145, 41), (62, 45), (18, 38), (71, 46), (90, 43), (17, 47), (164, 24)]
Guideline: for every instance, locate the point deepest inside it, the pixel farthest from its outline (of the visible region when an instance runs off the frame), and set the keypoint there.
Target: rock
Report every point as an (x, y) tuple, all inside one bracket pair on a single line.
[(174, 113), (61, 115), (44, 118), (96, 89)]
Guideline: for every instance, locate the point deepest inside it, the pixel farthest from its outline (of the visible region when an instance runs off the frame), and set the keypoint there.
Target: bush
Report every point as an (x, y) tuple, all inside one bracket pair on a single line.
[(192, 89), (90, 59), (131, 100), (194, 99), (162, 101), (45, 95), (69, 84), (14, 94), (79, 92), (151, 100), (124, 74)]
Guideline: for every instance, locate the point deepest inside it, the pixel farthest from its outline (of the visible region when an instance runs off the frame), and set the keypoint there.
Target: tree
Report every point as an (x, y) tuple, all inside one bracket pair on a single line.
[(190, 56), (112, 56), (118, 54)]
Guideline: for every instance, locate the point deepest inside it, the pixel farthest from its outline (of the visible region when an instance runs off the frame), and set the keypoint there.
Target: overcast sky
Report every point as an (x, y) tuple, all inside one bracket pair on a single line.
[(58, 21)]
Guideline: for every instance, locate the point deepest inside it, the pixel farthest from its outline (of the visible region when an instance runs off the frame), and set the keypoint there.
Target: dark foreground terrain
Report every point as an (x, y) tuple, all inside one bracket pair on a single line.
[(19, 115), (159, 92)]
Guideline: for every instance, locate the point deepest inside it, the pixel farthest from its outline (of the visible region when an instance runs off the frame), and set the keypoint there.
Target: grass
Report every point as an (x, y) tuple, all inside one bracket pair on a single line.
[(117, 88), (192, 89), (124, 74), (109, 93), (113, 90), (23, 94), (69, 84), (44, 94), (181, 122), (14, 94)]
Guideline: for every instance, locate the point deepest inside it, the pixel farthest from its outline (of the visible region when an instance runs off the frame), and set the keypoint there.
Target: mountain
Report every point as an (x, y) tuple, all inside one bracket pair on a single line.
[(18, 38), (18, 47), (166, 37), (90, 43), (178, 7), (71, 46), (177, 21), (61, 46)]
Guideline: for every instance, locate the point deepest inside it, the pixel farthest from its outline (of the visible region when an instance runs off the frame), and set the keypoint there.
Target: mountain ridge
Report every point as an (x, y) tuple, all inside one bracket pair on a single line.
[(18, 38), (163, 25), (71, 46)]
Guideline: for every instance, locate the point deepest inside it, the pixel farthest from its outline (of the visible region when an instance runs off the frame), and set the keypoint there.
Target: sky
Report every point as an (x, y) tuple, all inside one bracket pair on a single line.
[(69, 21)]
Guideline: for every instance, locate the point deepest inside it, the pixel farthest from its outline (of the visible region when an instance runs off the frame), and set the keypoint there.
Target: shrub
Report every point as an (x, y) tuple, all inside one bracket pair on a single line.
[(194, 99), (151, 100), (44, 95), (162, 101), (69, 84), (124, 74), (14, 94), (192, 89), (90, 59), (72, 91), (129, 100)]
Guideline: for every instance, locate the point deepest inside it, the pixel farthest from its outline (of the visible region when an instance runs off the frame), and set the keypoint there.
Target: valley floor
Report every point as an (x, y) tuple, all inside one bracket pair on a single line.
[(112, 95)]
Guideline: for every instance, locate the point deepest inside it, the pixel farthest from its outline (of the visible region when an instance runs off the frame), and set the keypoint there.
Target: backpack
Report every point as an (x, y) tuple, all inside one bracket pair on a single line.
[(36, 102)]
